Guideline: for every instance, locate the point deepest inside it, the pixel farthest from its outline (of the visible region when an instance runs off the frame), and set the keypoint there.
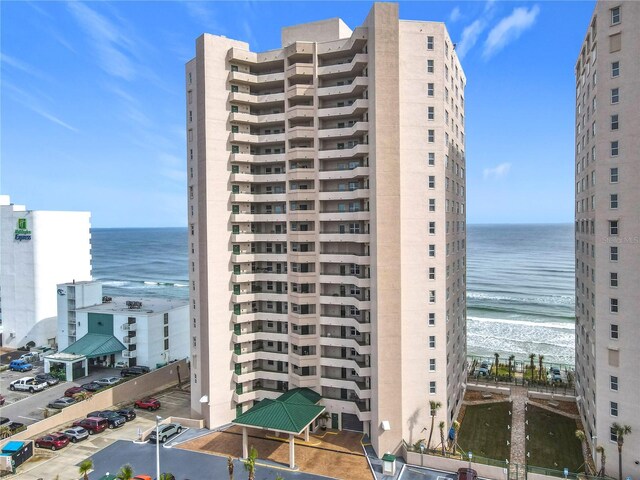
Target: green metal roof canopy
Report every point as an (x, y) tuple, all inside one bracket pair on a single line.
[(291, 412), (95, 345)]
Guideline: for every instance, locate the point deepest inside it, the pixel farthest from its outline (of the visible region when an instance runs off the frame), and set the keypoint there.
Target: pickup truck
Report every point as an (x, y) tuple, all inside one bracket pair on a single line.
[(27, 384)]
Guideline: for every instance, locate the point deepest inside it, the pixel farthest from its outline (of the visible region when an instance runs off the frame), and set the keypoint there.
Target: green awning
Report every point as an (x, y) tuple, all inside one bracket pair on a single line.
[(291, 412), (95, 345)]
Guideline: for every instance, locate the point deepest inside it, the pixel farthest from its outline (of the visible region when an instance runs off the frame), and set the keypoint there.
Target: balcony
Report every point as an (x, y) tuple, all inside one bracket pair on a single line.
[(300, 153), (359, 61), (300, 91), (357, 193), (267, 139), (129, 354), (259, 237), (362, 369), (243, 257), (360, 388), (300, 111), (360, 347), (359, 150), (259, 197), (129, 340), (258, 178), (262, 100), (358, 281), (345, 174), (129, 327), (260, 374), (265, 158), (266, 119), (267, 336), (356, 87), (347, 321), (300, 132), (344, 237), (357, 108), (345, 216), (259, 276), (326, 257), (299, 70), (355, 130), (259, 217), (257, 394), (301, 173), (260, 355), (265, 79)]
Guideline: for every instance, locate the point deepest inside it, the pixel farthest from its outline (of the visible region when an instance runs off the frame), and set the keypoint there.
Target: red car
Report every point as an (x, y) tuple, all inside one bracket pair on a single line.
[(70, 392), (2, 400), (54, 441), (92, 424), (148, 404)]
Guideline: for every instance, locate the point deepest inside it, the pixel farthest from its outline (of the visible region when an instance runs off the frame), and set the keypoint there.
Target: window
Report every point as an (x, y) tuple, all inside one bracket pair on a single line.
[(613, 279), (432, 159), (613, 201), (615, 15), (431, 114), (234, 68), (430, 90), (234, 109), (615, 69), (432, 204), (613, 436), (431, 136), (235, 129), (429, 43), (432, 319), (613, 409), (234, 88), (613, 382), (613, 331), (613, 175), (432, 341), (432, 388), (432, 250), (432, 364), (166, 344), (235, 149), (614, 122), (613, 304), (432, 228), (615, 95), (432, 296), (614, 227), (235, 168), (615, 148), (613, 254), (235, 229), (430, 66), (615, 42), (432, 181), (432, 273)]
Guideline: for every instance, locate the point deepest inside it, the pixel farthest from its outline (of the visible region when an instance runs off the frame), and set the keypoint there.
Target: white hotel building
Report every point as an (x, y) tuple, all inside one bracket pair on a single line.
[(327, 223)]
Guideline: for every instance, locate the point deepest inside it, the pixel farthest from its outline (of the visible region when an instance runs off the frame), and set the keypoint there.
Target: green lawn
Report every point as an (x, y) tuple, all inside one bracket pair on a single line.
[(484, 430), (552, 441)]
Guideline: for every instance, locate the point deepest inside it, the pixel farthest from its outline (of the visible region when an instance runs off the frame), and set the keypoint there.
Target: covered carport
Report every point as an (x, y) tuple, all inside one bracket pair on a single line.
[(292, 414), (93, 347), (71, 363)]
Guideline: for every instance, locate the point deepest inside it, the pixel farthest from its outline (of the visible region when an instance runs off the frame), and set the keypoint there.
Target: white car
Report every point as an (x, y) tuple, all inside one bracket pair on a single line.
[(121, 364), (107, 381), (28, 384)]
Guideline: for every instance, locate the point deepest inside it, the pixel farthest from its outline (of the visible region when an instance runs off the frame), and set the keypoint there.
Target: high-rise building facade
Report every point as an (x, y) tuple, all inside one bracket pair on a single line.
[(327, 223), (607, 225), (38, 250)]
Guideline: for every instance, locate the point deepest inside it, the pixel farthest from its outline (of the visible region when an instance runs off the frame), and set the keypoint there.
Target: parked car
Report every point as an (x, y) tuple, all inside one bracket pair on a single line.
[(128, 413), (61, 403), (70, 392), (467, 474), (107, 381), (47, 378), (20, 366), (92, 386), (121, 364), (4, 420), (554, 371), (2, 400), (142, 477), (27, 384), (92, 424), (165, 432), (29, 357), (15, 427), (148, 404), (76, 434), (54, 441), (555, 378), (111, 417), (483, 371), (131, 371)]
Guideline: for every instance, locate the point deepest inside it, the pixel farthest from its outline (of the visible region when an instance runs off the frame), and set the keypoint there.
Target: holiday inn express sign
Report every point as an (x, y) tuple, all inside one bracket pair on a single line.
[(22, 232)]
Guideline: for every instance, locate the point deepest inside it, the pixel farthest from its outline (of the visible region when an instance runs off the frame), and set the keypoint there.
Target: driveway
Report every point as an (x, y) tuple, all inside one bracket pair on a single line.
[(418, 473)]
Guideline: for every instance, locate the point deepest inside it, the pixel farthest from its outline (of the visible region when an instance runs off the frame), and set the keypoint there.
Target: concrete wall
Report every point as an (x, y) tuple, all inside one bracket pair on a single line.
[(452, 465), (127, 392)]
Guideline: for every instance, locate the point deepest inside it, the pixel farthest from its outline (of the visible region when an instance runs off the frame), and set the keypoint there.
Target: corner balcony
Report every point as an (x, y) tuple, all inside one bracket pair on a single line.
[(357, 108), (345, 174), (359, 61), (345, 301), (360, 367), (359, 387), (300, 91), (300, 153), (347, 321), (301, 173), (360, 408), (356, 87), (336, 279), (300, 111), (257, 394), (359, 150), (360, 348), (261, 296), (260, 335), (355, 130), (266, 79), (260, 374), (267, 355), (299, 70), (301, 132)]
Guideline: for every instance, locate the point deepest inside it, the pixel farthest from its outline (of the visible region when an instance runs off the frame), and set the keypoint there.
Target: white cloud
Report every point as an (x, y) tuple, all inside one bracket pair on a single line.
[(509, 29), (35, 105), (202, 13), (470, 36), (499, 171), (454, 16)]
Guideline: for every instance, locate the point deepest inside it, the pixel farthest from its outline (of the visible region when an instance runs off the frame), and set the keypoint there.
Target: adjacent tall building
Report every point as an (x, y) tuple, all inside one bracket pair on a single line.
[(327, 223), (607, 224), (38, 250)]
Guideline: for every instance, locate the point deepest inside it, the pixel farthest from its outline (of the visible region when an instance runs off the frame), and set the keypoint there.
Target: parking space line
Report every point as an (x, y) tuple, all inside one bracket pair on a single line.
[(28, 418)]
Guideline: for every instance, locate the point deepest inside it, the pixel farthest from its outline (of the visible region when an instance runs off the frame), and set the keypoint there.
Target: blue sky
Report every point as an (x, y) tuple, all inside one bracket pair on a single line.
[(92, 111)]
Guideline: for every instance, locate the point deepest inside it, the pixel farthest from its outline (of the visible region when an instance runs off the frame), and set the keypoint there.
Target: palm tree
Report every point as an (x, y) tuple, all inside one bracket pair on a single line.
[(540, 358), (620, 431), (586, 451), (532, 358), (167, 476), (125, 473), (5, 431), (250, 463), (230, 467), (456, 429), (603, 460), (434, 405), (441, 426), (511, 359), (85, 467), (497, 355)]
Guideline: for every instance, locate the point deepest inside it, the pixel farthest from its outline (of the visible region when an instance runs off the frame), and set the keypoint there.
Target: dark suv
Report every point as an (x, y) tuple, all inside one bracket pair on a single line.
[(132, 371), (113, 419)]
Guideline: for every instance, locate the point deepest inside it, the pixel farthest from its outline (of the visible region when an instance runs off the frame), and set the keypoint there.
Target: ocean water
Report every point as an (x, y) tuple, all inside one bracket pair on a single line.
[(519, 282)]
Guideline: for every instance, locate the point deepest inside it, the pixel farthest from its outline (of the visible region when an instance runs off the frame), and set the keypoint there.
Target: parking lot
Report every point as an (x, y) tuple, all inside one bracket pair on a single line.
[(27, 408)]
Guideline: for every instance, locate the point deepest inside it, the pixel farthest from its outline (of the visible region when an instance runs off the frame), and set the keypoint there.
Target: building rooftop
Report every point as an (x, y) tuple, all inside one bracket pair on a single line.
[(148, 305)]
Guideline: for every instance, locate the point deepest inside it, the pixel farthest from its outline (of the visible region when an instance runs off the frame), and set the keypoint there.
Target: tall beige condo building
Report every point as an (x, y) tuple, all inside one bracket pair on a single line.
[(608, 230), (327, 223)]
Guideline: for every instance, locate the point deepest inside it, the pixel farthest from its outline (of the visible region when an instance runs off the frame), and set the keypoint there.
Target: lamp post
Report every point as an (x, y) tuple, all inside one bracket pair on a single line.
[(158, 418), (422, 454), (470, 457)]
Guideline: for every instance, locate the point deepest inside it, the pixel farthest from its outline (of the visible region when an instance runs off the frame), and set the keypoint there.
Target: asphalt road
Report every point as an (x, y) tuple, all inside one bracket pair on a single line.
[(184, 464), (28, 408)]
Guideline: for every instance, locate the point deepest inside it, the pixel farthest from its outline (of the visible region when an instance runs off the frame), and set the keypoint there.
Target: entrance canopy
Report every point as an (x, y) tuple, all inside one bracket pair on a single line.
[(292, 412), (95, 345)]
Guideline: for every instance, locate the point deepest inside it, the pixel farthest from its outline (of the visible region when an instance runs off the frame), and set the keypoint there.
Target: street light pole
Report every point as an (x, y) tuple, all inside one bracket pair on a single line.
[(158, 418)]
